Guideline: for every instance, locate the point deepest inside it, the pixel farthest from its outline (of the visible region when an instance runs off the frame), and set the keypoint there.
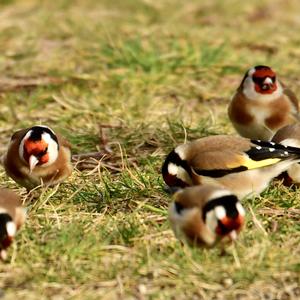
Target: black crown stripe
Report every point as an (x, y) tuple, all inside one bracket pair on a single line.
[(37, 132), (228, 202)]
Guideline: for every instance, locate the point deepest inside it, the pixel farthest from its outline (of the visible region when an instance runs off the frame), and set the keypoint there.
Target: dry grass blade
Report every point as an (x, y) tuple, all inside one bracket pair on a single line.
[(12, 84), (98, 155), (290, 212), (257, 222), (104, 139), (131, 80)]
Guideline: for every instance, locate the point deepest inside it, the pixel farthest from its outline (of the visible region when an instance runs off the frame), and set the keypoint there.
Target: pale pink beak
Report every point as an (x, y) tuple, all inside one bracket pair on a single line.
[(3, 254), (268, 80), (33, 161), (233, 235), (268, 84)]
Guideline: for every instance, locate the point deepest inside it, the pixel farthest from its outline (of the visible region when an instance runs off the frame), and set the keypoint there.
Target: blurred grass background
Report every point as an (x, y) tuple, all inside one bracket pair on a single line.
[(158, 73)]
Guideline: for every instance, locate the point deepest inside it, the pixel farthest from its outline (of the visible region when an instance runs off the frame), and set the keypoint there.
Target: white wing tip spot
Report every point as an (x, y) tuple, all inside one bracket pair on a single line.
[(258, 147), (271, 149)]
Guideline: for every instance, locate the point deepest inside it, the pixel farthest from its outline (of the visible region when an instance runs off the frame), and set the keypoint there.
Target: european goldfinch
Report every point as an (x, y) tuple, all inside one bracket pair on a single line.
[(290, 136), (203, 215), (12, 216), (37, 156), (241, 165), (262, 105)]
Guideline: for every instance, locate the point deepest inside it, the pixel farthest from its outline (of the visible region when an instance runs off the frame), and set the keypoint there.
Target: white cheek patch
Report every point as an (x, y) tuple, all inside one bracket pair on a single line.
[(251, 72), (182, 174), (179, 172), (21, 147), (52, 149), (220, 212), (240, 209), (172, 169), (11, 228), (46, 137)]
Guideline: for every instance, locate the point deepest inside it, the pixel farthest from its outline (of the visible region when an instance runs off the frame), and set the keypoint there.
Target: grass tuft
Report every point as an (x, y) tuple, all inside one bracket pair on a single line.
[(158, 73)]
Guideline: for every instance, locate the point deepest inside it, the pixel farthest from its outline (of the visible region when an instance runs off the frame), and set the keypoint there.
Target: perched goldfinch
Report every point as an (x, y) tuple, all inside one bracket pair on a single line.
[(204, 215), (37, 155), (262, 105), (241, 165), (12, 216), (290, 136)]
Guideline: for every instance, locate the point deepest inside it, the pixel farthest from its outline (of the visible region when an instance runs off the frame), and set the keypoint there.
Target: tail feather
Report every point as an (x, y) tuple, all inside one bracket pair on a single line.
[(266, 150)]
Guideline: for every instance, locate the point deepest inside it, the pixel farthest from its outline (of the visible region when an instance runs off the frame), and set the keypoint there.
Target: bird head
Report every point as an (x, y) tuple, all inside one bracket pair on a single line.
[(224, 216), (203, 215), (39, 147), (264, 79), (7, 230), (261, 81)]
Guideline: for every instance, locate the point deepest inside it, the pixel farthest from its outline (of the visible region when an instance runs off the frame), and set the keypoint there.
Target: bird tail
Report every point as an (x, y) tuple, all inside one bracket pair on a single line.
[(266, 150)]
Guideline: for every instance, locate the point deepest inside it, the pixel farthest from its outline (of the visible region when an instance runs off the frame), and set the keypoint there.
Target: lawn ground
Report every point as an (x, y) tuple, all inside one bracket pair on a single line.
[(148, 75)]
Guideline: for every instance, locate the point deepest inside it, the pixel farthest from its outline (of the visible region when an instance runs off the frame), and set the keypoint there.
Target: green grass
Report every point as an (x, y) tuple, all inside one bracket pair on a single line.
[(160, 72)]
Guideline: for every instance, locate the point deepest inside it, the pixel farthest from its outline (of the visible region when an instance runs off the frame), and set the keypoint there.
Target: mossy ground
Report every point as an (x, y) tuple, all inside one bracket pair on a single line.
[(157, 72)]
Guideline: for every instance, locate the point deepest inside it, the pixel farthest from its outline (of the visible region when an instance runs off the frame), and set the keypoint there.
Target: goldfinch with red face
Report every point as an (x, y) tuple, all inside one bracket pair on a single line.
[(204, 215), (262, 105), (290, 136), (37, 156), (241, 165), (12, 216)]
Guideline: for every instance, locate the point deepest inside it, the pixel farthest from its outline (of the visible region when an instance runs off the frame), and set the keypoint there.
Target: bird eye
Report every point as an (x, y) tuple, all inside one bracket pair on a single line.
[(178, 207), (222, 228), (258, 80), (273, 78), (39, 155)]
